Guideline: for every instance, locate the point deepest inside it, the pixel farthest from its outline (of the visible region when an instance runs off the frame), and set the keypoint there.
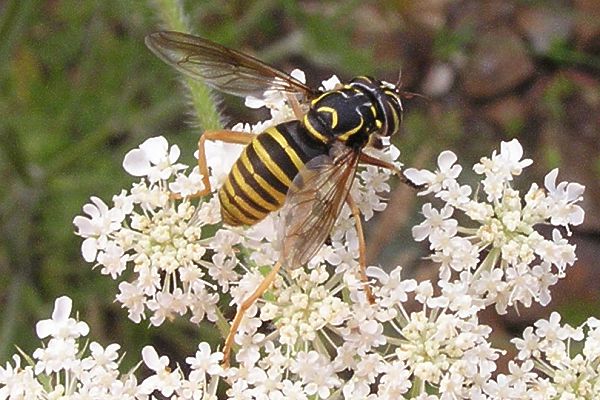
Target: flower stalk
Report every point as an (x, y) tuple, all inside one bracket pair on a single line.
[(200, 97)]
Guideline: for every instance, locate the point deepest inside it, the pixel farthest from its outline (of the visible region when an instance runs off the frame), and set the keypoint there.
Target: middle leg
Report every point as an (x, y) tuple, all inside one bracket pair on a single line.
[(362, 249)]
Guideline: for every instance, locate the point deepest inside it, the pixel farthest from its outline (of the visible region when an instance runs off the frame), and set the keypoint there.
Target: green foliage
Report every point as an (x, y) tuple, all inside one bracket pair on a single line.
[(78, 89), (563, 53)]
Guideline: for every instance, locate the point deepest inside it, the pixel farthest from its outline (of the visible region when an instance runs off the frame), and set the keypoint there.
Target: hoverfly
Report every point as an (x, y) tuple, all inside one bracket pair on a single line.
[(306, 165)]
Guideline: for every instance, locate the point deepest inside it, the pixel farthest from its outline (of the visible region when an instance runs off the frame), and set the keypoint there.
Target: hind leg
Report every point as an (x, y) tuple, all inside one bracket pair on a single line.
[(246, 304)]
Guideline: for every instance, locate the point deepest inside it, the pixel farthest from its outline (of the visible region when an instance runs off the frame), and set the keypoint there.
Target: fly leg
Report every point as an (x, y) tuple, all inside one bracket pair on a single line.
[(369, 160), (221, 136), (362, 249), (242, 308)]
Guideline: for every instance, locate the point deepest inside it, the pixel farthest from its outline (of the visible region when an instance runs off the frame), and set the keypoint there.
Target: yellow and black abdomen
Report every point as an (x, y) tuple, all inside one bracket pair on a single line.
[(260, 178)]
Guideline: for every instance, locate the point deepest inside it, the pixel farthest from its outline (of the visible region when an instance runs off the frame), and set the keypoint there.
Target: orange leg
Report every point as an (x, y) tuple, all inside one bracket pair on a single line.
[(239, 138), (367, 159), (362, 249), (221, 136), (296, 107), (246, 304)]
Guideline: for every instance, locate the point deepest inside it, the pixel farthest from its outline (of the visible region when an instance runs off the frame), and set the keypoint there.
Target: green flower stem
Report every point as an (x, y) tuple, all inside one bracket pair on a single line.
[(222, 324), (489, 261), (171, 13)]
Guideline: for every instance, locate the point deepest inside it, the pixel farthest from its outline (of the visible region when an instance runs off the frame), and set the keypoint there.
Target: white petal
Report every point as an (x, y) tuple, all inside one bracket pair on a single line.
[(394, 152), (577, 216), (89, 249), (454, 171), (446, 159), (419, 176), (174, 154), (62, 308), (550, 180), (574, 191), (253, 102), (150, 357), (331, 83), (378, 274), (447, 212), (427, 210), (420, 232), (136, 163), (84, 226), (155, 147), (101, 205), (82, 328), (91, 210), (298, 74), (512, 150), (44, 328)]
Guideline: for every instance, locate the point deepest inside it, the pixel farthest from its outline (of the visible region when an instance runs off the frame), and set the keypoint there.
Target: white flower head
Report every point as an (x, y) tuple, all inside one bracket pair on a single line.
[(442, 178), (164, 380), (563, 209), (61, 326), (550, 362), (96, 228), (65, 368), (519, 264), (153, 159)]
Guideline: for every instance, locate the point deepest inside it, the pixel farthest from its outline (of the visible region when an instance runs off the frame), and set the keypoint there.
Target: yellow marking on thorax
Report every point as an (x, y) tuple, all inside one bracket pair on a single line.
[(313, 131), (373, 111), (396, 118), (345, 136), (333, 112)]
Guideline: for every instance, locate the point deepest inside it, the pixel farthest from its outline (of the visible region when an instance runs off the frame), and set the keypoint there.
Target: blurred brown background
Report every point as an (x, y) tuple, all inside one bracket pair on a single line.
[(78, 89)]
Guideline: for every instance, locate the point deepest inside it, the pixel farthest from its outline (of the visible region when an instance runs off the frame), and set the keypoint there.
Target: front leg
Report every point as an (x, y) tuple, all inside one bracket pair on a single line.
[(369, 160)]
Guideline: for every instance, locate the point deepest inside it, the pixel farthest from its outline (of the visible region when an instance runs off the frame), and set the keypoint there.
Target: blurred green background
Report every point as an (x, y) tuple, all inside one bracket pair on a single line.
[(78, 89)]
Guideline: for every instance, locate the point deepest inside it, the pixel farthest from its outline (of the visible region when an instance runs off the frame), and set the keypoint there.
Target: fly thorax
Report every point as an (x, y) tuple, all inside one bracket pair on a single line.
[(347, 115)]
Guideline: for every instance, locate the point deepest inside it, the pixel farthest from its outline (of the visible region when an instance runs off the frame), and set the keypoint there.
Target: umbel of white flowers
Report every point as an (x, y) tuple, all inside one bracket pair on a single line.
[(315, 335), (546, 366)]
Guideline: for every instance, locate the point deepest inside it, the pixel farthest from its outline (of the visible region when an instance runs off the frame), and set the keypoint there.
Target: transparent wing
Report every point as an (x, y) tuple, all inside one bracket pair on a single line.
[(314, 202), (223, 69)]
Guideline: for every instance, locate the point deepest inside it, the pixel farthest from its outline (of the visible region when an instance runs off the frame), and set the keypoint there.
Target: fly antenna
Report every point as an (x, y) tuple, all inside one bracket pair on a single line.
[(399, 81), (409, 95), (405, 94)]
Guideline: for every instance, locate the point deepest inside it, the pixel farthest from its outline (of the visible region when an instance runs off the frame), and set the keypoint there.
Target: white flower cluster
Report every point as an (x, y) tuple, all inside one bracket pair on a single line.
[(173, 254), (495, 249), (554, 362), (314, 334), (387, 352), (201, 383), (160, 238), (332, 343), (64, 369)]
